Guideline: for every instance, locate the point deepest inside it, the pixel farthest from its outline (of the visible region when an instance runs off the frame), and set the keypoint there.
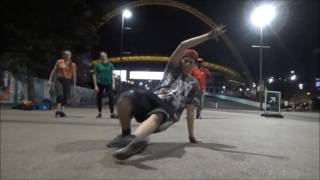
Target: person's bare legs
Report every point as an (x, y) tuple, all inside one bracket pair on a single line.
[(148, 126), (139, 143), (190, 123), (124, 109), (190, 120)]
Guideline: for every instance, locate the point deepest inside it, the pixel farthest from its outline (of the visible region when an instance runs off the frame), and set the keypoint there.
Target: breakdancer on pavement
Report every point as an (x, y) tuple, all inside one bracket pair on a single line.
[(157, 110)]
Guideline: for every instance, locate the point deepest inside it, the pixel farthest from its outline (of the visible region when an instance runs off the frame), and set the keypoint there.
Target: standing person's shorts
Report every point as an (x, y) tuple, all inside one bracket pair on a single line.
[(145, 103)]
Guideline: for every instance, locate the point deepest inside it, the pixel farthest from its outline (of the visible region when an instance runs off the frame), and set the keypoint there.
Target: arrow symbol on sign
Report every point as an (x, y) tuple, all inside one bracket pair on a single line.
[(273, 99)]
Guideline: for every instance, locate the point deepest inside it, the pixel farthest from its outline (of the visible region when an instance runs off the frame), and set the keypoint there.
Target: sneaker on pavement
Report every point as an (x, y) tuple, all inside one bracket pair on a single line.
[(198, 116), (193, 140), (99, 115), (120, 141), (135, 147), (113, 116), (57, 115), (62, 114)]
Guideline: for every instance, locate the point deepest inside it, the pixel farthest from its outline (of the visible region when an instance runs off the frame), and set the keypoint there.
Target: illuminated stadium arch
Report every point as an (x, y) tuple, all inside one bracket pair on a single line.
[(211, 66), (183, 7)]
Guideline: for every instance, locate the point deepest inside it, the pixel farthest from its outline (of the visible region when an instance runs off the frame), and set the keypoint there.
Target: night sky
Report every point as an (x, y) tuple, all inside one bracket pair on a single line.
[(33, 28), (293, 35)]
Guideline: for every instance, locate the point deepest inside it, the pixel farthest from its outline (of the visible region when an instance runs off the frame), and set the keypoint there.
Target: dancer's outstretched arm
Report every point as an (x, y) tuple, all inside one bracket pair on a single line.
[(179, 51)]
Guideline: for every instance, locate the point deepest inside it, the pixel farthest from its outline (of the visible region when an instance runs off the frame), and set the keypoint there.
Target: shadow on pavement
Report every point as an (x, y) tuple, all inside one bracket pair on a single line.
[(157, 151), (154, 151)]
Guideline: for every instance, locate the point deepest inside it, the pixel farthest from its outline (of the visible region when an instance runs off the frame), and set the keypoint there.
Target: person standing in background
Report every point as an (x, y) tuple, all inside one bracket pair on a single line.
[(201, 73), (103, 79), (66, 71)]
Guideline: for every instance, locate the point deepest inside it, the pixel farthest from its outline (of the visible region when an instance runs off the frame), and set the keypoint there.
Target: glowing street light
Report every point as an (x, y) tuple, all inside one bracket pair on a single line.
[(254, 85), (300, 86), (271, 80), (293, 77), (126, 13), (262, 16)]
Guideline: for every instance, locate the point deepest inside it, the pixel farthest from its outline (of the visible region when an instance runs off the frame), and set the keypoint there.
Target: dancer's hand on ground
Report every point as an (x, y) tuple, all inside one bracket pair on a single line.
[(96, 89), (193, 140), (217, 31)]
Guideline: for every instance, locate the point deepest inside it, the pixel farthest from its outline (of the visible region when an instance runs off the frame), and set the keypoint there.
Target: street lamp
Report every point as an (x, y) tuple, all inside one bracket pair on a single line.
[(125, 14), (254, 85), (261, 17), (271, 80), (293, 77), (300, 86)]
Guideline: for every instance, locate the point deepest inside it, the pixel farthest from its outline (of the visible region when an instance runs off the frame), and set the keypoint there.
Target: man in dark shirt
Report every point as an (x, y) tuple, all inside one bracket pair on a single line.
[(159, 109)]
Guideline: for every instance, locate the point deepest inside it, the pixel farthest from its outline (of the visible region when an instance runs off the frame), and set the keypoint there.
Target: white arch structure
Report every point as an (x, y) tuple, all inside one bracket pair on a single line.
[(184, 7)]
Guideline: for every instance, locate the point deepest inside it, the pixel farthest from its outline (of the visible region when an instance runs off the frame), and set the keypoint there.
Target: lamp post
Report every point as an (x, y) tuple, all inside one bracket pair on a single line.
[(125, 15), (262, 16)]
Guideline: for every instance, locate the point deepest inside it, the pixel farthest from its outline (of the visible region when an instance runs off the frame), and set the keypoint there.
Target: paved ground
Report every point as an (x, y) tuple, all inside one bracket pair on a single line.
[(235, 145)]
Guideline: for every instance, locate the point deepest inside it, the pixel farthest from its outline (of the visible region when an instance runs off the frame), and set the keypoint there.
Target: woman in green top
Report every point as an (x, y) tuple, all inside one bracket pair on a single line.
[(103, 79)]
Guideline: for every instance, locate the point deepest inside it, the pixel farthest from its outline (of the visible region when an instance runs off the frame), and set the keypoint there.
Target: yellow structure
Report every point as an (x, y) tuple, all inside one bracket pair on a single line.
[(210, 66)]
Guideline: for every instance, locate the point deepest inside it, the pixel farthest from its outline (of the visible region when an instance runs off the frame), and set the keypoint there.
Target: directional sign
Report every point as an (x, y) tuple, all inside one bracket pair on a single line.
[(272, 101)]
